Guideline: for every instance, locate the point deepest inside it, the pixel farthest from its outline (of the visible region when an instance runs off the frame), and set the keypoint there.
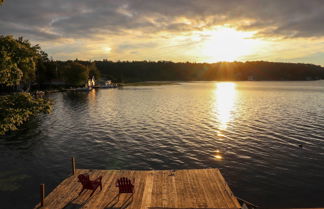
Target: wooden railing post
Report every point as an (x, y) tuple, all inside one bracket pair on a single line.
[(73, 165), (42, 194)]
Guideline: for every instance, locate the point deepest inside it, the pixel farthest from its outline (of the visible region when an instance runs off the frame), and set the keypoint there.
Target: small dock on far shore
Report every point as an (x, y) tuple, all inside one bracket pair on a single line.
[(154, 189)]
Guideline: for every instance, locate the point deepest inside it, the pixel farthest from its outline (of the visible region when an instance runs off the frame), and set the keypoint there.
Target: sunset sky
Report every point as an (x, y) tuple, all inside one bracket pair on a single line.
[(176, 30)]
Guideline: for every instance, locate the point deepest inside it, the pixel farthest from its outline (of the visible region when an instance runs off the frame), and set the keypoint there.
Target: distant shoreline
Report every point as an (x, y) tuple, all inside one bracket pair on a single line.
[(150, 83), (159, 83), (56, 89)]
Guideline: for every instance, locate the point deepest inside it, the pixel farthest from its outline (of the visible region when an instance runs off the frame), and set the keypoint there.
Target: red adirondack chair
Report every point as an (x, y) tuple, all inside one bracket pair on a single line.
[(125, 185), (87, 184)]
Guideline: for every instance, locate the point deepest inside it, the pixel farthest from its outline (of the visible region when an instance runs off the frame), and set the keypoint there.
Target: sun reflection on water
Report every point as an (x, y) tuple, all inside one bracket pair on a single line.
[(225, 95), (218, 155), (92, 96)]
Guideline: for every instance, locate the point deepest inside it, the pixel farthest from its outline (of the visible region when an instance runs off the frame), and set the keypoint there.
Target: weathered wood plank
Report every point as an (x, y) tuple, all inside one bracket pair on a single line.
[(147, 194), (171, 190)]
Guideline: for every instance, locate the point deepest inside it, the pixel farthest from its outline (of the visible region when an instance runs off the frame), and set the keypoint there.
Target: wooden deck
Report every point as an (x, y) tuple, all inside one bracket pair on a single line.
[(197, 188)]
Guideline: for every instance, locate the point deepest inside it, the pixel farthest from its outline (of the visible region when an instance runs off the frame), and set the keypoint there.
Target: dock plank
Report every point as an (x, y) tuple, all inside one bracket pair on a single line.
[(194, 188)]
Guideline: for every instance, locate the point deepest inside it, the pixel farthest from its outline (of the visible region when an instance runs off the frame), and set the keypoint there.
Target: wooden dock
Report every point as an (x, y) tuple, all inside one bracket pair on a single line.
[(154, 189)]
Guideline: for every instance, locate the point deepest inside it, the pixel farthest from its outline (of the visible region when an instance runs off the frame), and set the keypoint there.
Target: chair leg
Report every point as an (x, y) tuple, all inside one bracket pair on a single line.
[(81, 190), (93, 191)]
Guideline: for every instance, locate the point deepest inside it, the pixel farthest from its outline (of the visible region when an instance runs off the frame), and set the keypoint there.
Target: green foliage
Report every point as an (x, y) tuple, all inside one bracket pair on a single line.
[(17, 108), (18, 61), (75, 74), (10, 74)]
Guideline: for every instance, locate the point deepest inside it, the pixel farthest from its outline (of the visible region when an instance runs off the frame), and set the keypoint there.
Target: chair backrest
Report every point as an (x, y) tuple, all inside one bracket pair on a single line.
[(85, 180), (125, 185)]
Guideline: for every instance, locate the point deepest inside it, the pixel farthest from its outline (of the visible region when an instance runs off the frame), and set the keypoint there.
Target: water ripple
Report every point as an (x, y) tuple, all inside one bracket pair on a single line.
[(251, 132)]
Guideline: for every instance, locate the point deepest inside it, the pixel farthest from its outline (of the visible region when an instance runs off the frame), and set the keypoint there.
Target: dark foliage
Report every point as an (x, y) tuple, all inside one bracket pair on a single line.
[(234, 71), (15, 109)]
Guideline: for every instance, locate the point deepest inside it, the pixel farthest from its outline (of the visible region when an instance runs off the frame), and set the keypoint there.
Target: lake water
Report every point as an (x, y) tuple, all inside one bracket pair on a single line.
[(250, 130)]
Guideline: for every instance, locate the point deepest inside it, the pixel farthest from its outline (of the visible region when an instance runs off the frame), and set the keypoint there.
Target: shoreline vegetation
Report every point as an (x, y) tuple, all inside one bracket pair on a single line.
[(17, 108), (57, 75), (19, 64), (26, 68)]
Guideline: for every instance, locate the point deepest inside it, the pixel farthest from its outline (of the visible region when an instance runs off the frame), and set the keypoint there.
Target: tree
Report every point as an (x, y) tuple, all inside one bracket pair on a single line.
[(46, 72), (18, 61), (17, 65), (17, 108), (10, 74), (93, 71), (75, 74)]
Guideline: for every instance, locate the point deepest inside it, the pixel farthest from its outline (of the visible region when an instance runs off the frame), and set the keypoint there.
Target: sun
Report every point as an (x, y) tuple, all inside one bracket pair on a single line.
[(228, 44), (106, 49)]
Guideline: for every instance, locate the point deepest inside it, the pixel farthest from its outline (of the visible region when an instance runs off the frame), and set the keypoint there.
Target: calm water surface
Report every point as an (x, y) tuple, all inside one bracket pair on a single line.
[(250, 130)]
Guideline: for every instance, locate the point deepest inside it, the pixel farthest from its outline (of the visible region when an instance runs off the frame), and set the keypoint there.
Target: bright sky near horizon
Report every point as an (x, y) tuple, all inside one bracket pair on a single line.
[(175, 30)]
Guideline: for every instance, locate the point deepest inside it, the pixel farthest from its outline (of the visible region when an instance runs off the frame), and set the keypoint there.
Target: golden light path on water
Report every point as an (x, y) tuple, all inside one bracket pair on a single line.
[(92, 96), (224, 103)]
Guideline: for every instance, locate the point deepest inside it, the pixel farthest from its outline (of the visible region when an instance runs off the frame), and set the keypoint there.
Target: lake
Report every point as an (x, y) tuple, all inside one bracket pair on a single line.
[(249, 130)]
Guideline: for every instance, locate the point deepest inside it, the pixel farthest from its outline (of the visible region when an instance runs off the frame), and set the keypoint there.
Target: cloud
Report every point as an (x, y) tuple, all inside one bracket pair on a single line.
[(142, 21), (316, 58), (289, 18), (130, 46)]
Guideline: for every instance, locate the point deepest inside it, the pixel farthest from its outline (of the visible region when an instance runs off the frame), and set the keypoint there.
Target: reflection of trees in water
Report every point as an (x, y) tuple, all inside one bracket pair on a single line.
[(74, 98), (11, 181), (25, 137)]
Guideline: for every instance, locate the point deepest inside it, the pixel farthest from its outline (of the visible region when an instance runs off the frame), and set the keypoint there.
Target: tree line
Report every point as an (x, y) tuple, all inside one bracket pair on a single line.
[(26, 65), (23, 65), (222, 71), (76, 72)]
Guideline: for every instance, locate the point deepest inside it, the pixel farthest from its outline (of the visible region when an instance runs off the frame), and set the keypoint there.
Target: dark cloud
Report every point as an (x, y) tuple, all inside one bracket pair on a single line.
[(47, 19)]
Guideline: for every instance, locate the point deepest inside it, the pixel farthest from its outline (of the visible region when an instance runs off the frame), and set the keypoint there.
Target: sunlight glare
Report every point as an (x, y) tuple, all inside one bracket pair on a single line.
[(228, 44)]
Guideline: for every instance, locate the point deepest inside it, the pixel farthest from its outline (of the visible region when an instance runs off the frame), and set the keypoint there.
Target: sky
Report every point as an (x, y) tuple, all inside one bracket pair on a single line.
[(174, 30)]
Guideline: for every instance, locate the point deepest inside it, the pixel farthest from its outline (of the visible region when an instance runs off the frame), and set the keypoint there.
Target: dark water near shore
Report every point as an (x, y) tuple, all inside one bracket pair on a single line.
[(250, 130)]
